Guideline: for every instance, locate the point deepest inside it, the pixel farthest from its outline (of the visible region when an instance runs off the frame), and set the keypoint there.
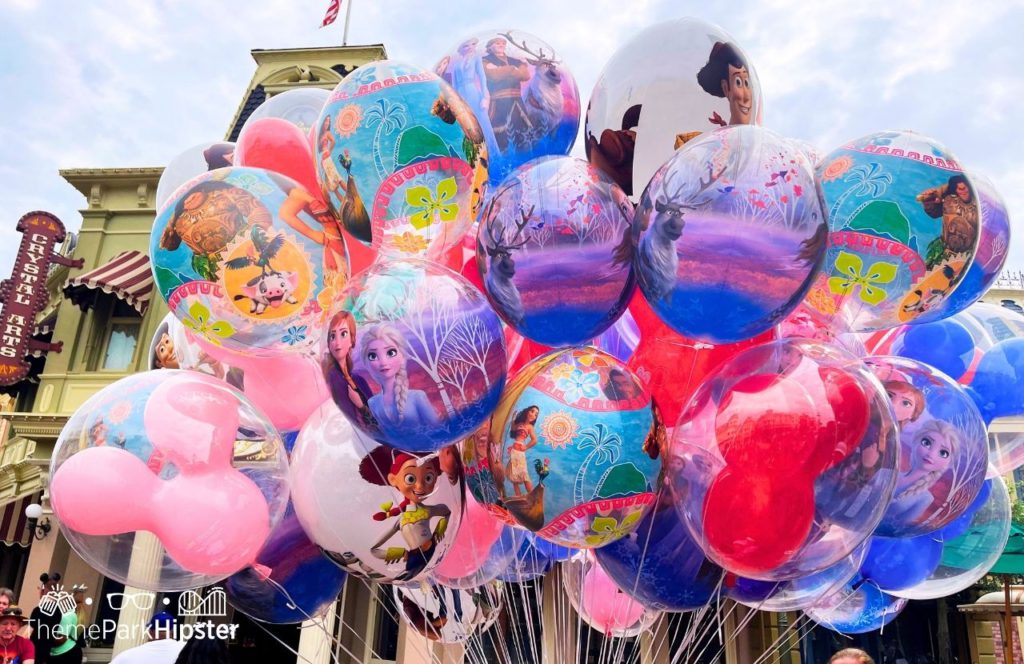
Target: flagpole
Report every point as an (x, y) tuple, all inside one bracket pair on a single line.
[(348, 15)]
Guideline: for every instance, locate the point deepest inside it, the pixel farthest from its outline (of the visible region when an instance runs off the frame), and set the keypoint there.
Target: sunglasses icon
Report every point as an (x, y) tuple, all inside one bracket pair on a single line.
[(141, 601)]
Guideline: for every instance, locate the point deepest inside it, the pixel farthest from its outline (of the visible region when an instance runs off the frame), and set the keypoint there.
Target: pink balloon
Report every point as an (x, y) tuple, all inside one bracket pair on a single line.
[(94, 491), (287, 388), (605, 606), (192, 419), (279, 146), (210, 517), (477, 534)]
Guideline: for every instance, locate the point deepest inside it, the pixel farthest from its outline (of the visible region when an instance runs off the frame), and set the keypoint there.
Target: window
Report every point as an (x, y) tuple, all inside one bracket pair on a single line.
[(385, 631), (121, 338)]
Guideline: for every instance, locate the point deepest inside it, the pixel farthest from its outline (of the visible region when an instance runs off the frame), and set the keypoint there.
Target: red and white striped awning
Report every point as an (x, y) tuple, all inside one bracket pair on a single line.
[(126, 276), (13, 522)]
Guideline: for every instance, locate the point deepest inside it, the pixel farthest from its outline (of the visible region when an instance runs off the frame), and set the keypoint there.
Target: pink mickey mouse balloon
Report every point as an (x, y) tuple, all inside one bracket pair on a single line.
[(168, 480)]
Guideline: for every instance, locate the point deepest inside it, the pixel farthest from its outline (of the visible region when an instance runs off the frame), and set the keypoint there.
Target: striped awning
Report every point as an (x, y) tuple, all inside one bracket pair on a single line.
[(13, 522), (126, 276)]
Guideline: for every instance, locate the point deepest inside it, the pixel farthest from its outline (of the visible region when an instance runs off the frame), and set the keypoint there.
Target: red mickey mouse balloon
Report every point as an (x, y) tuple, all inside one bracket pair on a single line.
[(782, 462)]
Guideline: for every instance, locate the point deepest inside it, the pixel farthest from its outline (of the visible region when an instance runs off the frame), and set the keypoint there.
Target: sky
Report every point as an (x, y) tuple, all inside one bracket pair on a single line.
[(105, 83)]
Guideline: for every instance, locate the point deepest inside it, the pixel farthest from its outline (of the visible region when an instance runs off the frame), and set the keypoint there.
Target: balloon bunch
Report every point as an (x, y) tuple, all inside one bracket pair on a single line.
[(646, 366)]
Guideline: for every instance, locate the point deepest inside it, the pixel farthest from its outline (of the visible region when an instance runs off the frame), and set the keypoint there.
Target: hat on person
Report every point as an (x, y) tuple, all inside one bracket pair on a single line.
[(162, 620), (13, 612)]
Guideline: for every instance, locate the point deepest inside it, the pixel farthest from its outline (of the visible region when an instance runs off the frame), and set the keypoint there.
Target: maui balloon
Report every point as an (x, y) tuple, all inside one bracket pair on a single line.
[(903, 228)]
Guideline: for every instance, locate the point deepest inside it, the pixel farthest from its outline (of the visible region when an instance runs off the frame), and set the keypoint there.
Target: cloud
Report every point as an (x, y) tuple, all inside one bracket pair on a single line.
[(148, 83)]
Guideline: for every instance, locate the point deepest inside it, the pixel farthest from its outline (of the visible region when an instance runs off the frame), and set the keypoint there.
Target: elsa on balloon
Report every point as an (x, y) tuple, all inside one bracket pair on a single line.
[(470, 81), (397, 409), (933, 447)]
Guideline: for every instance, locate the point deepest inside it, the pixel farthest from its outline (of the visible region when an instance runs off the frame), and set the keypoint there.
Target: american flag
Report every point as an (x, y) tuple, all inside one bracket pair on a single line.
[(333, 10)]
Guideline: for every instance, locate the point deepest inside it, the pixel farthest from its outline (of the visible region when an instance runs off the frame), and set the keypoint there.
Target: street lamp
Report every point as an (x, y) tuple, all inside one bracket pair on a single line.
[(39, 530)]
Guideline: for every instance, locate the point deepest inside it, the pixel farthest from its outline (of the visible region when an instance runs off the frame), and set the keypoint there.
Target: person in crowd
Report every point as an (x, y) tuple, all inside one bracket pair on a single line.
[(204, 651), (851, 656), (14, 649), (161, 648)]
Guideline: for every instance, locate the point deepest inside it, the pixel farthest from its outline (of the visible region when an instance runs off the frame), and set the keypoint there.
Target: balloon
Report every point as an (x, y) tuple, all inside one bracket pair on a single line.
[(427, 343), (168, 452), (447, 615), (600, 603), (413, 157), (478, 532), (993, 250), (660, 565), (190, 164), (945, 345), (889, 261), (784, 459), (299, 106), (799, 593), (943, 445), (380, 513), (495, 560), (666, 85), (621, 339), (895, 563), (729, 235), (237, 258), (173, 347), (480, 477), (554, 551), (805, 323), (303, 582), (969, 556), (857, 608), (553, 251), (580, 437), (998, 383), (279, 146), (523, 96), (528, 564)]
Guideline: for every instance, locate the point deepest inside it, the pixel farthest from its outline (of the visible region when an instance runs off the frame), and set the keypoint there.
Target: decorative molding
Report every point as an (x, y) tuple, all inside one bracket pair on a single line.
[(36, 425)]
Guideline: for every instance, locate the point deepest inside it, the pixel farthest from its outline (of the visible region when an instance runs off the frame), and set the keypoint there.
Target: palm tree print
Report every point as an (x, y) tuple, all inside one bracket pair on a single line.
[(389, 118), (867, 180), (605, 447)]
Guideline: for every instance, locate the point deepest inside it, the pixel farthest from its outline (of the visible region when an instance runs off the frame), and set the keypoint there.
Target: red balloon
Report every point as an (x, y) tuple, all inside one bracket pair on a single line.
[(851, 412), (768, 423), (754, 522), (278, 145), (673, 367)]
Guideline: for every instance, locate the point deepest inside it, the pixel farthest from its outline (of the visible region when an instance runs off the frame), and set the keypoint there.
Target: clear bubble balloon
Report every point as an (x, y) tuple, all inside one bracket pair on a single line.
[(173, 347), (903, 228), (602, 604), (729, 235), (857, 608), (943, 449), (553, 251), (799, 593), (379, 513), (448, 615), (233, 256), (168, 480), (669, 83), (299, 106), (521, 92), (189, 165), (497, 559), (401, 160), (414, 356), (990, 257), (969, 555), (569, 448), (808, 430), (479, 475)]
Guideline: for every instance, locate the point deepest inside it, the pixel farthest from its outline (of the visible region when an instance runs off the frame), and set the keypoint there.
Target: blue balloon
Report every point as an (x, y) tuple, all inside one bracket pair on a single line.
[(660, 565), (858, 608), (945, 345), (962, 523), (529, 563), (751, 591), (555, 552), (303, 581), (896, 563), (998, 384), (289, 438)]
